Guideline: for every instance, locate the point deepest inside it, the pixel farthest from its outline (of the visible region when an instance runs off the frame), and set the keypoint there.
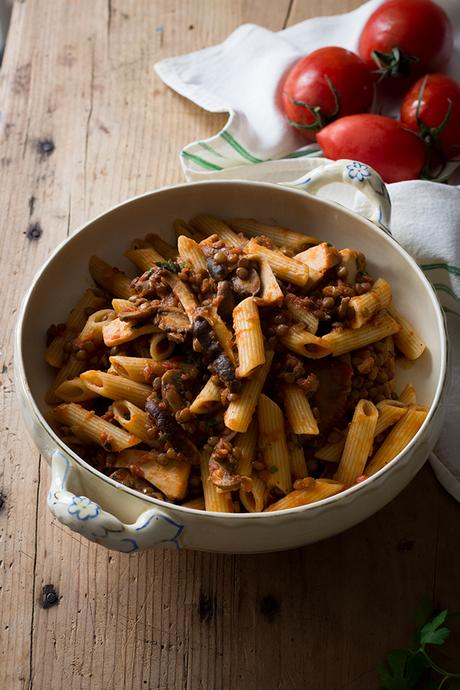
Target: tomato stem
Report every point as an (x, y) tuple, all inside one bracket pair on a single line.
[(320, 120), (397, 63)]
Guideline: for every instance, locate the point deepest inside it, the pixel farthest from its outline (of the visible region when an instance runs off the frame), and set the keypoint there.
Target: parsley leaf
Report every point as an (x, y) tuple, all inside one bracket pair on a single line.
[(171, 265), (432, 633), (273, 469)]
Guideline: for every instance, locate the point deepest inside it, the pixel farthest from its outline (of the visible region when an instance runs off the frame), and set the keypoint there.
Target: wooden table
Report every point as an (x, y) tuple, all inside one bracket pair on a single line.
[(85, 123)]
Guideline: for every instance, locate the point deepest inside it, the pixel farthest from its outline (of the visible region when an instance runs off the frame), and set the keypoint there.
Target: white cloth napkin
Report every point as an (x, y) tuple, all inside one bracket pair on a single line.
[(241, 76)]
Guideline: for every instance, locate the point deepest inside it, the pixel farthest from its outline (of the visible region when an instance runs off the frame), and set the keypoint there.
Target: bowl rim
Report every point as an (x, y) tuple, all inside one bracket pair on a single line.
[(203, 514)]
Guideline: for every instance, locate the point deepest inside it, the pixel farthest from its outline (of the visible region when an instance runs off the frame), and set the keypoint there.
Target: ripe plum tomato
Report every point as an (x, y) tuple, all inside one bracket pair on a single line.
[(406, 38), (432, 108), (324, 85), (394, 152)]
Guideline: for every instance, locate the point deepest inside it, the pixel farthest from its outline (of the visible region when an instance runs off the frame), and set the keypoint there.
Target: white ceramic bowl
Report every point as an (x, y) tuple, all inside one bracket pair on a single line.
[(107, 512)]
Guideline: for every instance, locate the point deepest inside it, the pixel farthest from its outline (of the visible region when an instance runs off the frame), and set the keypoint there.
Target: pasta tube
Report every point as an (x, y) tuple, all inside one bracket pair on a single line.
[(283, 237), (249, 338), (195, 503), (300, 313), (210, 225), (317, 490), (306, 344), (348, 339), (133, 419), (117, 331), (170, 478), (367, 305), (272, 440), (253, 495), (74, 390), (358, 444), (290, 270), (270, 293), (192, 253), (220, 502), (406, 339), (297, 459), (110, 278), (247, 444), (319, 260), (398, 438), (390, 411), (116, 387), (239, 413), (86, 425), (408, 395), (76, 320), (298, 411), (207, 399), (134, 368), (160, 347), (331, 452), (162, 247)]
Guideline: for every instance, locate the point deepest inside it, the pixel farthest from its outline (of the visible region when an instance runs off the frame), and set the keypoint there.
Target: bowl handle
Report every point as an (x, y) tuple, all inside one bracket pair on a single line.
[(361, 178), (152, 528)]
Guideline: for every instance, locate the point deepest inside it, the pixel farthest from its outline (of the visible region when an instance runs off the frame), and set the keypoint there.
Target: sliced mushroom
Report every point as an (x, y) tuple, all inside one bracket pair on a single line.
[(173, 389), (174, 321), (217, 271), (144, 311), (223, 368), (222, 467), (247, 287), (225, 299), (175, 434)]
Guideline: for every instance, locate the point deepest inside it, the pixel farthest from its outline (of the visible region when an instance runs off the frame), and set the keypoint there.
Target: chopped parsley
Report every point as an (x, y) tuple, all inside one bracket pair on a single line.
[(171, 265), (273, 469)]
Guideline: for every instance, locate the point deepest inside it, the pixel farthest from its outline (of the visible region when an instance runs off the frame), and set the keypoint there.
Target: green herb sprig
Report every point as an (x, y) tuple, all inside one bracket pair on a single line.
[(414, 669)]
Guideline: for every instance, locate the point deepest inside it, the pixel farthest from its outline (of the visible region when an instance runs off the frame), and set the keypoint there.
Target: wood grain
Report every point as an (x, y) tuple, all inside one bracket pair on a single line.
[(86, 123)]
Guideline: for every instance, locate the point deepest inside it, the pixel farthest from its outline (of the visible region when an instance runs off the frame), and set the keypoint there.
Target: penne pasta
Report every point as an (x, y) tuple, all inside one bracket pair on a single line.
[(297, 461), (239, 413), (223, 334), (348, 339), (195, 503), (215, 500), (70, 370), (160, 347), (249, 338), (367, 305), (306, 344), (93, 329), (358, 444), (298, 411), (406, 339), (89, 301), (331, 452), (300, 313), (272, 442), (110, 278), (134, 368), (317, 490), (181, 227), (208, 399), (116, 387), (118, 332), (87, 426), (408, 395), (145, 258), (290, 270), (171, 478), (398, 438), (254, 495), (247, 445), (133, 419), (210, 225), (191, 252), (74, 390), (162, 247), (283, 237), (390, 411)]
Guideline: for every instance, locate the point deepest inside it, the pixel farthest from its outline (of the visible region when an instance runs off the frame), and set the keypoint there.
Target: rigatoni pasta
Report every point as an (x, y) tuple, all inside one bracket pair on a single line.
[(249, 369)]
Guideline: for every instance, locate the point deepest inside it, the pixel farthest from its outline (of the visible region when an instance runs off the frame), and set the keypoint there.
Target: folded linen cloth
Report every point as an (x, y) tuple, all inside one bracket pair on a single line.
[(241, 76)]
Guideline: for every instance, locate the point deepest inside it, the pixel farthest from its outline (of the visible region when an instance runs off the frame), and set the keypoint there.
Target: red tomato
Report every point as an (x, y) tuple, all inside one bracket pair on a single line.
[(394, 152), (437, 98), (327, 84), (407, 38)]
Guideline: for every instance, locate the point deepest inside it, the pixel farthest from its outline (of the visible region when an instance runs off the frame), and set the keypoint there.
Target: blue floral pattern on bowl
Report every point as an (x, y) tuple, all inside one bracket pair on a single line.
[(83, 508), (358, 171), (153, 528)]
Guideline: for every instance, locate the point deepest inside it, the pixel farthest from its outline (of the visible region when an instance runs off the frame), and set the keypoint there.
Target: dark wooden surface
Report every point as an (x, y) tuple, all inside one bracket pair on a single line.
[(79, 75)]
